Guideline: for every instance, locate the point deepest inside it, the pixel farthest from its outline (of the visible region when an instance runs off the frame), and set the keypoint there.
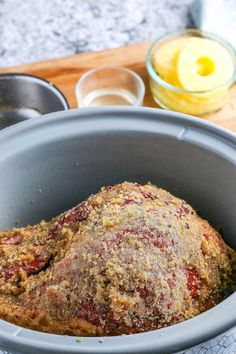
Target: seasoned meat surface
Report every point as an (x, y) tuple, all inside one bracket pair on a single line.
[(131, 258)]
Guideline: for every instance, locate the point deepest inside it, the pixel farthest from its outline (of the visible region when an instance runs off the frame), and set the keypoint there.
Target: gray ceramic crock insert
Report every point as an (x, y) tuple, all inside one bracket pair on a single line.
[(49, 165)]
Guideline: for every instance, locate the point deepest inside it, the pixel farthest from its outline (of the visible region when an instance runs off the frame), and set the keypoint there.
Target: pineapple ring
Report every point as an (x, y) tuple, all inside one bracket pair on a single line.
[(203, 64), (165, 58)]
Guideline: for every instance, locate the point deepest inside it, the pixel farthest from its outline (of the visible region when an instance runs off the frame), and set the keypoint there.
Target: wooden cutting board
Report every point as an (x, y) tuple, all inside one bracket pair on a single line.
[(64, 73)]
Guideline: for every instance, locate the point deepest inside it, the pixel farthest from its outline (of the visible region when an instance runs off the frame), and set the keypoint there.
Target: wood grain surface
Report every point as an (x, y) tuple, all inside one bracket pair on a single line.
[(64, 73)]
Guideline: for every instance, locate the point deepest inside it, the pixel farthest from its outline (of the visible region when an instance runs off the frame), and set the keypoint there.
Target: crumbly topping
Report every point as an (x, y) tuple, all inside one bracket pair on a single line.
[(131, 258)]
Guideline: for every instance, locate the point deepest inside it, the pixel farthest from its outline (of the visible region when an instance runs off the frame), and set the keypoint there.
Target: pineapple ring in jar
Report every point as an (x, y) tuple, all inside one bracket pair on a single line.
[(203, 64), (165, 58), (202, 68)]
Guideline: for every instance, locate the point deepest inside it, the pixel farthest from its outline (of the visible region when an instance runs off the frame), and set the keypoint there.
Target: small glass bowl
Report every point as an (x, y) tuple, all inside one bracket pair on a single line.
[(110, 85), (178, 99)]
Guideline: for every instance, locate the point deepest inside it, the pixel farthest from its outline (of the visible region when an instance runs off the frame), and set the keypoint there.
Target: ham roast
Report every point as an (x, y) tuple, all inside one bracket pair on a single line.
[(131, 258)]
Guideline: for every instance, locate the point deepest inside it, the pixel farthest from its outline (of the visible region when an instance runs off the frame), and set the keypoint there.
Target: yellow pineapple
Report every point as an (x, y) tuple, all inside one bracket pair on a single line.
[(203, 64)]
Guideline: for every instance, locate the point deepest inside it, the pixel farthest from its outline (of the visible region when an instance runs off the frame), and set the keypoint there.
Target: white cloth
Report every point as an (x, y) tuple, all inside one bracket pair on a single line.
[(216, 16)]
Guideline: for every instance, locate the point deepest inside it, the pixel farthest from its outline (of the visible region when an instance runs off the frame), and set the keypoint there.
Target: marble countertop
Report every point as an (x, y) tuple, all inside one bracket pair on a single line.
[(42, 29)]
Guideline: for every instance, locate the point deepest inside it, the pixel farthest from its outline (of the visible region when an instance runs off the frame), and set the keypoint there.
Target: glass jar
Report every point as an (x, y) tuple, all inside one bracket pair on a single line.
[(174, 97)]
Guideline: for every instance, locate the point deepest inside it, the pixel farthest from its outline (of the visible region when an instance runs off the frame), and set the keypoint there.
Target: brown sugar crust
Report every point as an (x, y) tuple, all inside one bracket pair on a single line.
[(131, 258)]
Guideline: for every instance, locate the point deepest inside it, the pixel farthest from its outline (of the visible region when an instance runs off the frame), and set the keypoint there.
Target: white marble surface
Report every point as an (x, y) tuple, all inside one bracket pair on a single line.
[(32, 30)]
